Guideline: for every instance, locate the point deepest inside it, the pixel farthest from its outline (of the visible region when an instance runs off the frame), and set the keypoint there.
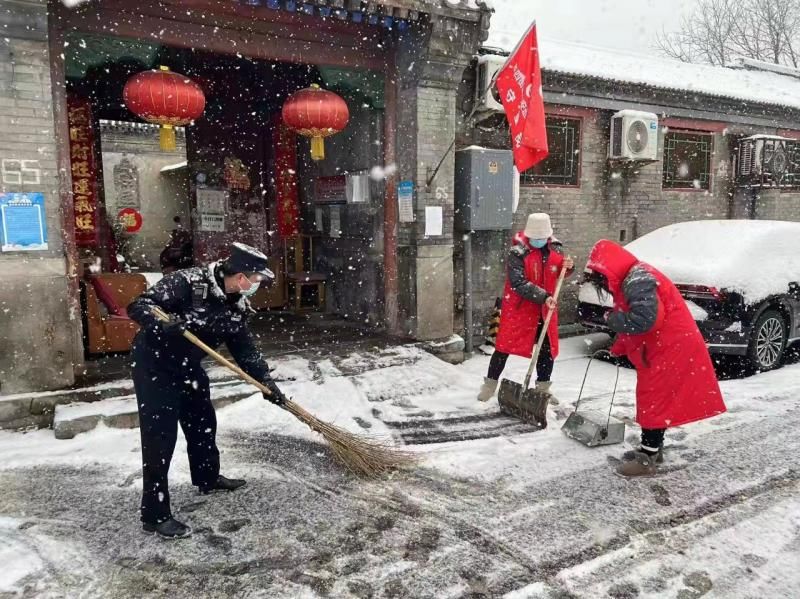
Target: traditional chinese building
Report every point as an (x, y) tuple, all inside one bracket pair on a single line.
[(396, 63), (707, 117)]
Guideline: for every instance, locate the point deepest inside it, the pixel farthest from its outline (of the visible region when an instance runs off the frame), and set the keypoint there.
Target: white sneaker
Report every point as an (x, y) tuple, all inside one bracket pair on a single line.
[(487, 389), (543, 387)]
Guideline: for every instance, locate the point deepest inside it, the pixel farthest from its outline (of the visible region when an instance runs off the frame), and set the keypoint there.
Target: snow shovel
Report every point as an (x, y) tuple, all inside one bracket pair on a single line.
[(520, 401), (591, 427)]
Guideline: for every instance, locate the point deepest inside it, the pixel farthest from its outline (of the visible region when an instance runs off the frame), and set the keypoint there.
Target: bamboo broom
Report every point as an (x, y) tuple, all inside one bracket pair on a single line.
[(360, 454)]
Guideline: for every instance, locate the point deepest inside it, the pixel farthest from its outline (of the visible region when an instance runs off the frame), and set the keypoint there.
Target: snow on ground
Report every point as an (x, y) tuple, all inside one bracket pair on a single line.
[(495, 509)]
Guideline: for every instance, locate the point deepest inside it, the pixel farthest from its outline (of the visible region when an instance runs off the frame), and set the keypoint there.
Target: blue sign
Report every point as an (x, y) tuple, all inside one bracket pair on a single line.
[(22, 222), (405, 201)]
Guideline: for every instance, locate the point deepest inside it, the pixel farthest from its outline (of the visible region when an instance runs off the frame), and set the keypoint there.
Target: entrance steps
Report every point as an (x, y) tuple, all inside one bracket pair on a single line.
[(121, 412)]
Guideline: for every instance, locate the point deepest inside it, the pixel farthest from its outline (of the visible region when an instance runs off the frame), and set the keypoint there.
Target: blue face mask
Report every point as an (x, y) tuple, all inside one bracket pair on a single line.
[(538, 243), (250, 291)]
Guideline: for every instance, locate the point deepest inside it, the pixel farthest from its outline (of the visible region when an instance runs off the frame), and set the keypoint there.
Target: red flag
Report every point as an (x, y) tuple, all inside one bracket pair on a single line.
[(519, 83)]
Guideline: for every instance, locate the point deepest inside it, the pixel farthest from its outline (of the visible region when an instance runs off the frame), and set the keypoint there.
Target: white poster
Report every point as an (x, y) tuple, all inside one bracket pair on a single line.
[(212, 222), (211, 201), (336, 222), (433, 221)]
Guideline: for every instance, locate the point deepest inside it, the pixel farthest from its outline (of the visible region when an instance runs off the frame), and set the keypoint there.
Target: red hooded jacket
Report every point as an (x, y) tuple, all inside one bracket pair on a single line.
[(676, 383)]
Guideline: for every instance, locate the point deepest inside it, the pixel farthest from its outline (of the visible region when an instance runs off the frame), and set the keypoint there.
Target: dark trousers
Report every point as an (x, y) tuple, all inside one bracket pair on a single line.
[(652, 439), (544, 363), (165, 400)]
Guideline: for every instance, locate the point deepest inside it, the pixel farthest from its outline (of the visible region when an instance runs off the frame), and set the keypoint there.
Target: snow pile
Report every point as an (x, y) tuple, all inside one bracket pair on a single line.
[(754, 258)]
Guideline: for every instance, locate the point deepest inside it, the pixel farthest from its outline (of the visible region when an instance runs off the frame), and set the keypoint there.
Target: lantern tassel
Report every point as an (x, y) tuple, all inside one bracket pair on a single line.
[(318, 148), (166, 138)]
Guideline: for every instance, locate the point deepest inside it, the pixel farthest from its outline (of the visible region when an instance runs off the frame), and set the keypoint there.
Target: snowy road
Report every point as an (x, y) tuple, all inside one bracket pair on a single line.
[(506, 512)]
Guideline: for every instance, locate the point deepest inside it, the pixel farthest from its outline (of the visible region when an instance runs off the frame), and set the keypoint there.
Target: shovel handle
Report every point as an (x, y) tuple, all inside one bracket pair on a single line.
[(538, 347), (164, 317)]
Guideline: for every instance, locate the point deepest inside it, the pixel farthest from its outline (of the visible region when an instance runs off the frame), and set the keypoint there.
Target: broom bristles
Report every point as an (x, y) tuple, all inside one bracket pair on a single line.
[(361, 455)]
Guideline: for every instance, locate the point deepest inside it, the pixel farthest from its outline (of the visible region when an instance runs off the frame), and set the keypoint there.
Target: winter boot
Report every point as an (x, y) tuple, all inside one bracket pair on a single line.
[(631, 455), (641, 465), (543, 387), (223, 484), (487, 389), (168, 529)]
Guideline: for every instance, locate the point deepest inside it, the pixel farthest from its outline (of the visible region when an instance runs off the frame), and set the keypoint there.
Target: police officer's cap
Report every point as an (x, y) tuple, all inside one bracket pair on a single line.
[(246, 259)]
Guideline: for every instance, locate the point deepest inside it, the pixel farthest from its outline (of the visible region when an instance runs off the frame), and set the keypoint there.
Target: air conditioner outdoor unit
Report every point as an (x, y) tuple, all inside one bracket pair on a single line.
[(766, 160), (634, 136), (487, 100)]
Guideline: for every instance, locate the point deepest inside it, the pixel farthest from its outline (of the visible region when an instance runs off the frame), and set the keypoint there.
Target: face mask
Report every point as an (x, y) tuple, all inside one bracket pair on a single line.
[(250, 290), (538, 243)]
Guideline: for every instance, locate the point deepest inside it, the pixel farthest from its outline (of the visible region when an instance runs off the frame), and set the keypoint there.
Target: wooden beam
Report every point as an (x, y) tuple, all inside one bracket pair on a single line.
[(222, 40)]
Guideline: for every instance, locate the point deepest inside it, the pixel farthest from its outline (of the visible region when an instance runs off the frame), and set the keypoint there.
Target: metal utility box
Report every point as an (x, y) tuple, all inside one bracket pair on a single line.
[(484, 187)]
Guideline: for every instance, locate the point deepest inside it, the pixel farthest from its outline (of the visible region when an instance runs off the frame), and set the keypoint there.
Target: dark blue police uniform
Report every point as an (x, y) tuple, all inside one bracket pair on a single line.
[(171, 385)]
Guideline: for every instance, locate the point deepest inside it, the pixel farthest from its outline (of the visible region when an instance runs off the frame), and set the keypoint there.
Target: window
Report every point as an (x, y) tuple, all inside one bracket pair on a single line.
[(562, 165), (687, 160)]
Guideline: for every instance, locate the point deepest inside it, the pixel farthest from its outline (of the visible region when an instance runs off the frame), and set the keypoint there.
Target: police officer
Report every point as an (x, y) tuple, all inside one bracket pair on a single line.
[(171, 385)]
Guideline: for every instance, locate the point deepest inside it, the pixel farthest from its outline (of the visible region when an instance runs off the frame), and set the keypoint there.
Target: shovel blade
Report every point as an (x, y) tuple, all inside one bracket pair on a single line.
[(527, 405)]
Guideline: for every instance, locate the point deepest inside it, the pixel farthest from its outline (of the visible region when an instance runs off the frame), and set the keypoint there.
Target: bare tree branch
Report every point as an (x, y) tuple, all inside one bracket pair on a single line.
[(720, 30)]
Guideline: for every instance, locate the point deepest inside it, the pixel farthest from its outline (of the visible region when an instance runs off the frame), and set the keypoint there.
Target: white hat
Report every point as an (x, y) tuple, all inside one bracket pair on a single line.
[(538, 226)]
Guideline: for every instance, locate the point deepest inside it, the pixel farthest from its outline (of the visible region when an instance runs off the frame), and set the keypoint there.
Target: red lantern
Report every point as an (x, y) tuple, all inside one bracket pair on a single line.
[(164, 98), (316, 113)]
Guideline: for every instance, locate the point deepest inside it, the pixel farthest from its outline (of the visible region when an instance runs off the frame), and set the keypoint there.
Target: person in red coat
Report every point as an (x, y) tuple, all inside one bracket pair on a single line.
[(533, 265), (676, 383)]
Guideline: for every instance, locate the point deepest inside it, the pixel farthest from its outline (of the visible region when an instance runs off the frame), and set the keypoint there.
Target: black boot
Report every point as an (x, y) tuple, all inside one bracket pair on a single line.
[(223, 484), (169, 529)]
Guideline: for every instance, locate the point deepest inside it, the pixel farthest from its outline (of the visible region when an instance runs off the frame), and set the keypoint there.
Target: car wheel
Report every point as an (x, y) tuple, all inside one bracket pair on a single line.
[(767, 341)]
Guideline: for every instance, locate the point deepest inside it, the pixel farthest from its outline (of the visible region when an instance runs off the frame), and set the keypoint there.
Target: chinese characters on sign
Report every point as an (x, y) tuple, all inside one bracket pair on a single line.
[(211, 206), (130, 219), (83, 164), (519, 84), (286, 192)]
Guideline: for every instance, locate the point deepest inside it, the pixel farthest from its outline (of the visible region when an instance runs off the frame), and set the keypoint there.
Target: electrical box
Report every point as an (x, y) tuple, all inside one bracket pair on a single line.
[(484, 188)]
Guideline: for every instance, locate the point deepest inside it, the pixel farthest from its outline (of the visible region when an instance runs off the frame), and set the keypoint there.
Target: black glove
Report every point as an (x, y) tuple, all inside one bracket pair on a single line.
[(275, 395), (175, 326)]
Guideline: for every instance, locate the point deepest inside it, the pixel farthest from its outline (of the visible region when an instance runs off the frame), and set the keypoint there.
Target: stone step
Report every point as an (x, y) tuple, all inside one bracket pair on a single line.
[(121, 412), (36, 409)]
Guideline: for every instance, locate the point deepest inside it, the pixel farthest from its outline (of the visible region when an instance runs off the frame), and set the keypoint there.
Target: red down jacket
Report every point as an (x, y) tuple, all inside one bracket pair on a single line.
[(676, 383), (530, 281)]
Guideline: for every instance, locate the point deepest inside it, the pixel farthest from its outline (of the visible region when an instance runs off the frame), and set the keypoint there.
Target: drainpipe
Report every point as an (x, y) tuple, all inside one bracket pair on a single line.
[(390, 283), (468, 324)]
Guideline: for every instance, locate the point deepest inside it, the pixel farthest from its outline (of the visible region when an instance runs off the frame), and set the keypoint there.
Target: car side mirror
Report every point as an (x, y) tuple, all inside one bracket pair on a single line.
[(794, 290)]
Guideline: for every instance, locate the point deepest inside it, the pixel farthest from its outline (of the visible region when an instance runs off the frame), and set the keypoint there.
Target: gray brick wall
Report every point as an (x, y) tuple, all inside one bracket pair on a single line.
[(602, 207), (38, 327), (773, 204)]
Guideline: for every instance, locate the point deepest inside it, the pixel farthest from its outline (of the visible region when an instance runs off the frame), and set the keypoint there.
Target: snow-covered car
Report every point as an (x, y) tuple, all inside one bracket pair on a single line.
[(740, 280)]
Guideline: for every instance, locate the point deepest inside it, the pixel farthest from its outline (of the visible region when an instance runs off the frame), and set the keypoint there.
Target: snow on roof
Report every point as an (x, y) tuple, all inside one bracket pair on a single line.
[(756, 258), (625, 67), (740, 81)]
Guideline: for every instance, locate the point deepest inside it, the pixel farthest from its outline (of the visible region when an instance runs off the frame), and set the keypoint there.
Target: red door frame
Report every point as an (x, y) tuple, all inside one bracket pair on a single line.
[(259, 33)]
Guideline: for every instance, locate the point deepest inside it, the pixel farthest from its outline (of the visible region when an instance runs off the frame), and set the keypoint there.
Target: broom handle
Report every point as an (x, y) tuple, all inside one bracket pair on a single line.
[(538, 347), (164, 317)]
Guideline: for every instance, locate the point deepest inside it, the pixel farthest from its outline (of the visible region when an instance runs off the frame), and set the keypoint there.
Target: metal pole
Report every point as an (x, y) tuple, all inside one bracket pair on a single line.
[(468, 328), (390, 217)]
